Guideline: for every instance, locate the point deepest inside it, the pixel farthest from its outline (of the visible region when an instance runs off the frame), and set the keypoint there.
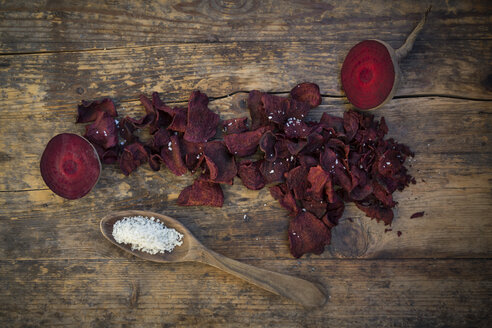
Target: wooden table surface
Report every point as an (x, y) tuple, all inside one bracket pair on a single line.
[(56, 269)]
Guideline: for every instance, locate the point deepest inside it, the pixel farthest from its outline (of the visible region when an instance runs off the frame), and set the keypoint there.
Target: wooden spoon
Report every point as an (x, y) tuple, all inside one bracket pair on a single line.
[(298, 290)]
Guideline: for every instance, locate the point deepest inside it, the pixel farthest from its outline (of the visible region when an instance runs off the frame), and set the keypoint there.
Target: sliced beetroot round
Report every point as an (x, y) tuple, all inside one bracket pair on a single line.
[(70, 166), (370, 72)]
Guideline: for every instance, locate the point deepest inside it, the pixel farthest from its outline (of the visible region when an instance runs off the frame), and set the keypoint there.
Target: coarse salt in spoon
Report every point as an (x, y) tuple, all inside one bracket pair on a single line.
[(191, 250)]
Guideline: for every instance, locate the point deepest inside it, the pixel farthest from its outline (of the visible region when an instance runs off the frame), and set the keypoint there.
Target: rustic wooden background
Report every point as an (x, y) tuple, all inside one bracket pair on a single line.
[(56, 269)]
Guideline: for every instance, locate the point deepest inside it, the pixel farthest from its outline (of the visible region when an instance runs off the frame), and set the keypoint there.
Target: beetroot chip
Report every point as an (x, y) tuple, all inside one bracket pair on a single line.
[(417, 215), (382, 195), (250, 175), (274, 108), (179, 120), (351, 123), (296, 180), (193, 154), (308, 93), (155, 162), (285, 197), (235, 125), (221, 165), (88, 111), (201, 122), (296, 109), (296, 128), (160, 139), (132, 157), (330, 121), (317, 178), (107, 156), (245, 143), (295, 148), (202, 193), (316, 207), (334, 209), (126, 129), (267, 145), (273, 172), (307, 234), (377, 211), (103, 131), (172, 156), (256, 110)]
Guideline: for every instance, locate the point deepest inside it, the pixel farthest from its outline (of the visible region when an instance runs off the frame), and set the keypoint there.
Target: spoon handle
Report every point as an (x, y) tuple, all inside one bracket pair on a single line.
[(298, 290)]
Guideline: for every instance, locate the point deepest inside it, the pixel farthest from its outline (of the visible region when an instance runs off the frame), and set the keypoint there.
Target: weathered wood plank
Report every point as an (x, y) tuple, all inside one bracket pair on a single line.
[(451, 139), (32, 26), (416, 293), (51, 81)]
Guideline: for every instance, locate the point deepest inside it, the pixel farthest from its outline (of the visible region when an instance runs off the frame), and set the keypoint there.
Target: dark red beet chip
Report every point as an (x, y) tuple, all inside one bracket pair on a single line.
[(179, 120), (88, 111), (172, 156), (245, 143), (273, 172), (317, 179), (307, 234), (70, 166), (417, 215), (132, 157), (285, 197), (296, 180), (201, 122), (308, 93), (202, 193), (377, 211), (103, 131), (250, 175), (267, 145), (220, 163), (235, 125), (256, 110)]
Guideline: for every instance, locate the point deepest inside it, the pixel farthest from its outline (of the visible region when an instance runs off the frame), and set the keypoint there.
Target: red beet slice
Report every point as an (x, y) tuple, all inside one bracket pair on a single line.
[(307, 234), (370, 72), (70, 166), (202, 193), (308, 93)]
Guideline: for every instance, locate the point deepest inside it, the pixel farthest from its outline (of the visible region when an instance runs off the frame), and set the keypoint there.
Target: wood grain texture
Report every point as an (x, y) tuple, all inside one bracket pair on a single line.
[(129, 291), (51, 81), (56, 269), (41, 25), (452, 169)]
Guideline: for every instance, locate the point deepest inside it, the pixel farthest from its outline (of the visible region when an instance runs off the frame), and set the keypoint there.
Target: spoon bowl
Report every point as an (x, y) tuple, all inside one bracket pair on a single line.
[(299, 290), (179, 254)]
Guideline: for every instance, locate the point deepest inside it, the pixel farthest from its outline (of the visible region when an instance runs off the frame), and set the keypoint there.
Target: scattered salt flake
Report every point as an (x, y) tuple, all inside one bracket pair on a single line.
[(272, 171), (146, 235)]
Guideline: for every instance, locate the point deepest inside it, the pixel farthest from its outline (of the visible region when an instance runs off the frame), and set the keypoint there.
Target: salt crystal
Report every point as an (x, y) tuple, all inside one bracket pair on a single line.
[(272, 171), (146, 235)]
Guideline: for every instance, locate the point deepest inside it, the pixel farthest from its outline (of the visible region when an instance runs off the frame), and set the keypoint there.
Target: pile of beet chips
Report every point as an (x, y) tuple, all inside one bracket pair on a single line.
[(311, 168)]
